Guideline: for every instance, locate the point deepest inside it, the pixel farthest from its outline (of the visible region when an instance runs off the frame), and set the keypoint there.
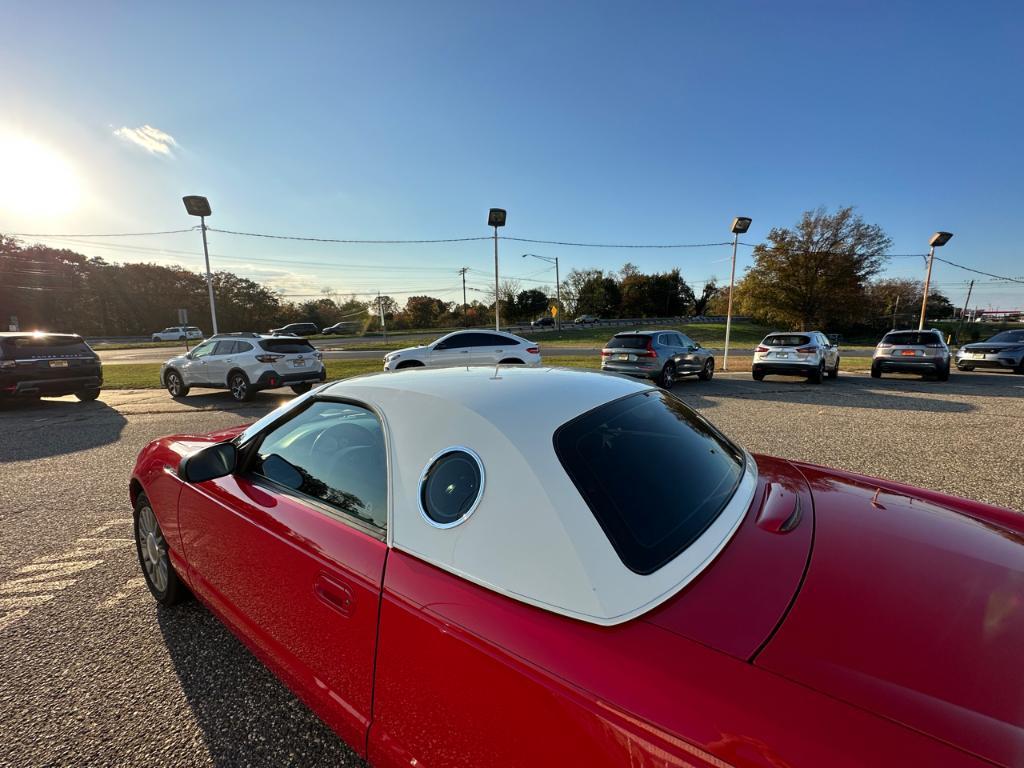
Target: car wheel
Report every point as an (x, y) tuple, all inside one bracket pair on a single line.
[(758, 375), (301, 389), (1020, 367), (87, 395), (943, 373), (181, 338), (151, 546), (175, 384), (156, 338), (511, 361), (241, 391), (834, 373), (668, 375), (816, 375), (876, 372), (708, 370), (965, 367)]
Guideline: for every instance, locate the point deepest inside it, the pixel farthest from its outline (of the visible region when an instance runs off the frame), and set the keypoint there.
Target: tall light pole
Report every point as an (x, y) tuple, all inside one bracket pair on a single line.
[(465, 317), (558, 287), (739, 225), (496, 218), (200, 206), (938, 240)]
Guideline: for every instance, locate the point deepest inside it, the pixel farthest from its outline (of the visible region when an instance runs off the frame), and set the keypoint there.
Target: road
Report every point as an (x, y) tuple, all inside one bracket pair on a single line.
[(93, 673)]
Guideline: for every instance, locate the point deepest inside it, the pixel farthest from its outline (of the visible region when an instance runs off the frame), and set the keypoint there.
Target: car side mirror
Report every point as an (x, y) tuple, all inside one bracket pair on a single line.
[(217, 460)]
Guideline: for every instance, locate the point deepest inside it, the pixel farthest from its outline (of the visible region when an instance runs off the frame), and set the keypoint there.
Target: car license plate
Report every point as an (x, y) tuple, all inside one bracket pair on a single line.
[(58, 363), (978, 355), (622, 357), (908, 353), (298, 363), (782, 354)]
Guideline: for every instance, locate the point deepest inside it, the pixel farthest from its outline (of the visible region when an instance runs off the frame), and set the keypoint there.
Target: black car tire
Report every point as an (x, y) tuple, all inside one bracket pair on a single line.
[(156, 339), (943, 373), (175, 590), (876, 372), (667, 376), (88, 395), (834, 373), (511, 361), (1020, 367), (965, 367), (708, 371), (238, 385), (175, 384), (815, 376), (758, 375), (181, 338), (301, 389)]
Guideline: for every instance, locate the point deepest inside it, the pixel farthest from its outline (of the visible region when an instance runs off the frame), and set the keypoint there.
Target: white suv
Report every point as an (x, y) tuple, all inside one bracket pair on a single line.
[(467, 348), (244, 363), (178, 333), (803, 353)]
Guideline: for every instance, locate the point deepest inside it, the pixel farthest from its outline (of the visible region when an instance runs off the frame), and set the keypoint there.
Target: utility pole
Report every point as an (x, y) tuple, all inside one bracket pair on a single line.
[(465, 317), (558, 298), (963, 312), (383, 324), (496, 218), (895, 308), (197, 205), (938, 239), (739, 226)]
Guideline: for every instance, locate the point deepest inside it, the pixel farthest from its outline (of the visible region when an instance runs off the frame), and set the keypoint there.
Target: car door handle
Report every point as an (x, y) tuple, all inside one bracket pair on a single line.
[(464, 351), (334, 594)]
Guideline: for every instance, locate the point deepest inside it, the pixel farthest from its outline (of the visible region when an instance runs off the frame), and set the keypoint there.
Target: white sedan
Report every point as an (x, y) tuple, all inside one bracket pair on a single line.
[(467, 348)]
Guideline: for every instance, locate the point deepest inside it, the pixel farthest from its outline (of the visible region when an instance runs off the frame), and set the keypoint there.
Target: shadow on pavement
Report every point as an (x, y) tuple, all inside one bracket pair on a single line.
[(246, 715), (36, 429)]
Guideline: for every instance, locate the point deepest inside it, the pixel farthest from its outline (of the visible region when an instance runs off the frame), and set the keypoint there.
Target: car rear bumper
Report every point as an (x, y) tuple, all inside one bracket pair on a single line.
[(908, 366), (273, 379), (639, 370), (804, 368), (49, 387)]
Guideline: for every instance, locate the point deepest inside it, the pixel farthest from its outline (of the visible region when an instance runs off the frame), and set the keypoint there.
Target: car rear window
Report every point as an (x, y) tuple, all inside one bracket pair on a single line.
[(911, 338), (286, 346), (653, 472), (786, 340), (630, 341), (44, 346)]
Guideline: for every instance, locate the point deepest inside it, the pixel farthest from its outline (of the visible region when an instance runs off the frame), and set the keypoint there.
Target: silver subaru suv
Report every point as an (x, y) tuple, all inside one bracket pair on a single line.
[(923, 352), (662, 356)]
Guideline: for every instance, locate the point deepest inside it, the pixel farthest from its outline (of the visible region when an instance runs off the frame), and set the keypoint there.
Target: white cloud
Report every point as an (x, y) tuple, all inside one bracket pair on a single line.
[(151, 139)]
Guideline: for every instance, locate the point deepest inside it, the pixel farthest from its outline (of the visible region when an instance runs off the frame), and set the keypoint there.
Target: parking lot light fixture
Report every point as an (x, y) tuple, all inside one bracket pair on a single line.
[(496, 218), (739, 226), (558, 288), (196, 205), (938, 240)]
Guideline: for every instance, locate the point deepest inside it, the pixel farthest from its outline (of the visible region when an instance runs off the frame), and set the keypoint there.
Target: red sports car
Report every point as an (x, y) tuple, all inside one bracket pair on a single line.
[(534, 567)]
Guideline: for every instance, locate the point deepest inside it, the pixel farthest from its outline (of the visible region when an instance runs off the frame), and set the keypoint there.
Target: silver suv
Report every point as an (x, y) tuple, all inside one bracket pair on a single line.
[(807, 353), (923, 352), (244, 363), (662, 356)]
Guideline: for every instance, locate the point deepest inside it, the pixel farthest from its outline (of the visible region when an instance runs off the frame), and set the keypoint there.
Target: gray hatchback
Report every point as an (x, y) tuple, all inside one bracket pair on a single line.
[(662, 356)]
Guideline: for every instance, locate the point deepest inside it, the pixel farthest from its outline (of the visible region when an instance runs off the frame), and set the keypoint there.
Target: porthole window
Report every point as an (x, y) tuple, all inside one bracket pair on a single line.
[(451, 487)]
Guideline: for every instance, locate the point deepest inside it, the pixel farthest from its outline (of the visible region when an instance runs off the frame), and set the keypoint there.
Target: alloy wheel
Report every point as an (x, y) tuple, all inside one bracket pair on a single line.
[(153, 548)]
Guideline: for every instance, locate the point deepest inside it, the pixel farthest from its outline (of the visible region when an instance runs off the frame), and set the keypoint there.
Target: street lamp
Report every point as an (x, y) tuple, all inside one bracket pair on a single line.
[(938, 240), (739, 225), (200, 206), (496, 218), (558, 288)]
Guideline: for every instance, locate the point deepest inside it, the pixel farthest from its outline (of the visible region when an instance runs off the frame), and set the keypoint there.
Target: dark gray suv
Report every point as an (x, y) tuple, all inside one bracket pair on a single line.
[(662, 356)]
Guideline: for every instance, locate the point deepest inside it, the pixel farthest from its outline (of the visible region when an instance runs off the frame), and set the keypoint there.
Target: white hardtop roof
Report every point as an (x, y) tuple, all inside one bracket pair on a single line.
[(532, 537)]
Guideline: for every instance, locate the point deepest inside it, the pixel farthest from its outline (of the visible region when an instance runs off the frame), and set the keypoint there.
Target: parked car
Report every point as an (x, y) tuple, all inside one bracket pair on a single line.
[(48, 365), (923, 352), (178, 333), (1004, 351), (467, 348), (661, 356), (810, 354), (544, 321), (633, 587), (342, 327), (585, 320), (296, 329), (244, 363)]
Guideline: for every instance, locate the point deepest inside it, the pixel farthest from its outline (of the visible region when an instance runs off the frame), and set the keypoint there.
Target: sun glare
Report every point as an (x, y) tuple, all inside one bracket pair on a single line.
[(34, 179)]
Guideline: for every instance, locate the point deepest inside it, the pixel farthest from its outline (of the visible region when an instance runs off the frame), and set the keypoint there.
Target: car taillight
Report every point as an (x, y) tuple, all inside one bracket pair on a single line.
[(806, 350), (533, 350), (649, 352), (764, 349), (269, 358), (318, 355), (606, 353)]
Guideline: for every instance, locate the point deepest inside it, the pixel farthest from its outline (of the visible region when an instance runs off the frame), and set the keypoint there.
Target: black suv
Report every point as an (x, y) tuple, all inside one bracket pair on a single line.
[(48, 364), (296, 329)]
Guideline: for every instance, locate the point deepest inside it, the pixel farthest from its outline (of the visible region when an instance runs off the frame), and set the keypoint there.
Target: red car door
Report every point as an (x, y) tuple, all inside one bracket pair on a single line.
[(290, 551)]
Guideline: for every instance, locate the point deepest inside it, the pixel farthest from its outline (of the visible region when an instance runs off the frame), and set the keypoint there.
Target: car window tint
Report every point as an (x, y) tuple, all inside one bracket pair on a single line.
[(686, 341), (786, 340), (497, 340), (286, 346), (1008, 337), (912, 338), (461, 341), (242, 346), (653, 472), (332, 452), (224, 348), (23, 347), (204, 349), (632, 341)]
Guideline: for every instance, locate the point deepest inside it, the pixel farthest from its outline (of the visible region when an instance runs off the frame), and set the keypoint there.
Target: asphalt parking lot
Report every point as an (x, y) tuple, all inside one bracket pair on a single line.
[(92, 673)]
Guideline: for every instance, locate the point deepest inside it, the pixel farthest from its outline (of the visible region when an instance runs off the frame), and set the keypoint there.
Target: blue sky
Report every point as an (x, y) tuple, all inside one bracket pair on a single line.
[(632, 122)]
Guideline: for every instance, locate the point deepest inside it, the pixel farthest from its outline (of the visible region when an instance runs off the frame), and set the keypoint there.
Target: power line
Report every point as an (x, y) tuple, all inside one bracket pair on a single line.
[(346, 241), (978, 271), (613, 245), (112, 234)]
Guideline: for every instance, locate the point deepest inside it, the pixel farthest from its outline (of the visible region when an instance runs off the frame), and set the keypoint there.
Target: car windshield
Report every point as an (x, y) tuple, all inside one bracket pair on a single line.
[(654, 473), (911, 338), (786, 340), (45, 346), (630, 341), (1008, 337), (286, 346)]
